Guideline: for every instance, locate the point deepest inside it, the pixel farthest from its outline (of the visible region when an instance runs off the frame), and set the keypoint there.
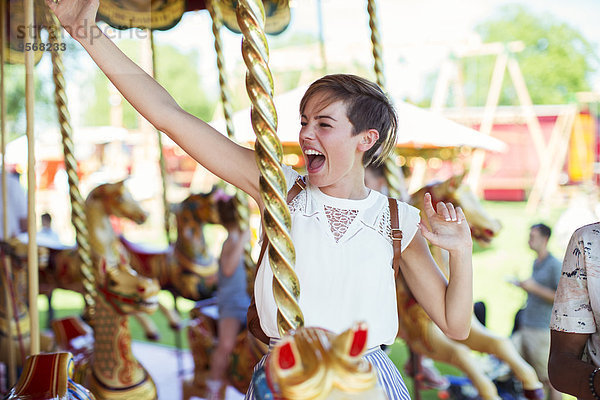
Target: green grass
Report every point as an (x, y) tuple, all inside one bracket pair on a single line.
[(508, 255)]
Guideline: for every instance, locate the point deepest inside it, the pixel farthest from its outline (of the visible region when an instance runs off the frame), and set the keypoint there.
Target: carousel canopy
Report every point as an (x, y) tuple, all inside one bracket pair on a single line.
[(418, 127), (165, 14)]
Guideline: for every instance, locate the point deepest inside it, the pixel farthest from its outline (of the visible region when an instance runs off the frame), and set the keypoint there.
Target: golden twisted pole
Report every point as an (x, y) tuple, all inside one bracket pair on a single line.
[(269, 153), (376, 42), (242, 213), (161, 155), (391, 170), (78, 217)]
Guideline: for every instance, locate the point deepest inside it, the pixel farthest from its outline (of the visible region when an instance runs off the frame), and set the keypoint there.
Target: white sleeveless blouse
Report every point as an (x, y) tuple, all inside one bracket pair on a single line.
[(343, 262)]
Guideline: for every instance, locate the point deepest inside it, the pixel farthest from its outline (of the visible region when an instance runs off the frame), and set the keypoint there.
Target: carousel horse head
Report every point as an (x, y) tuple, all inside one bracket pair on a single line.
[(483, 227), (125, 290), (313, 363), (117, 200), (48, 376), (193, 213), (196, 275)]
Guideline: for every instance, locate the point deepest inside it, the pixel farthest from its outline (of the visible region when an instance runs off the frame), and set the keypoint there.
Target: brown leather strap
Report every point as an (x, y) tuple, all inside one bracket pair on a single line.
[(396, 235), (397, 245), (299, 185)]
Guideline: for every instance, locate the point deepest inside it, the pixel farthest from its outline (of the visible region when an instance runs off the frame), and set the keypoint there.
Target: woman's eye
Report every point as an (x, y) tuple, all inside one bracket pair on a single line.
[(323, 125), (303, 123)]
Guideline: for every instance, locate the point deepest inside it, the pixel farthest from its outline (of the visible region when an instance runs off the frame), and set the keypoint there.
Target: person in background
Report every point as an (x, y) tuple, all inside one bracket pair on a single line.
[(46, 235), (574, 360), (232, 297), (16, 206), (532, 338)]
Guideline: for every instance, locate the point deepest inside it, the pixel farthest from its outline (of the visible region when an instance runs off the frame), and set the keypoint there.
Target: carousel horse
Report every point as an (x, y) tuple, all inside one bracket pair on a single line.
[(186, 269), (111, 199), (315, 364), (104, 201), (113, 373), (48, 377), (424, 337), (15, 287), (17, 330), (202, 335)]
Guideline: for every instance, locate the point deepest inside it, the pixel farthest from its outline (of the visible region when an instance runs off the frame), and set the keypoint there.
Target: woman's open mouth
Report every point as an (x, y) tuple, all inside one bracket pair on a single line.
[(315, 160)]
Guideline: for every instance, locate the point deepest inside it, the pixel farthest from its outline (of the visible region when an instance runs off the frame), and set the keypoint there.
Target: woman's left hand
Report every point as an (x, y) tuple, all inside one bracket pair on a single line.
[(449, 229)]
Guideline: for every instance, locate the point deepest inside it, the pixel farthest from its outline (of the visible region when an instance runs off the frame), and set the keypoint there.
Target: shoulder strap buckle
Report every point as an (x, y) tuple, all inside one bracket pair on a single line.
[(396, 234)]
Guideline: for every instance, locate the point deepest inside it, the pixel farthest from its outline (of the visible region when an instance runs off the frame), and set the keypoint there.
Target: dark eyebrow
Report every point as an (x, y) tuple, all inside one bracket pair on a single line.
[(319, 117), (325, 116)]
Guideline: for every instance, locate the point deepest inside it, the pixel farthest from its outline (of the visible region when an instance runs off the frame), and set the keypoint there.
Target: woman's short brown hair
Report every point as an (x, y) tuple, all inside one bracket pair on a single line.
[(368, 107)]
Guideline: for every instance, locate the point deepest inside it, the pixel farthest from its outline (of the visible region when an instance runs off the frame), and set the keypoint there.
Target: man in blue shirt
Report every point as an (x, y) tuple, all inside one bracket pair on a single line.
[(532, 338)]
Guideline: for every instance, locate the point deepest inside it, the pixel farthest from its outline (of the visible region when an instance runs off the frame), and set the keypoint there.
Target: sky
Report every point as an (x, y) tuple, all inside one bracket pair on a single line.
[(416, 35)]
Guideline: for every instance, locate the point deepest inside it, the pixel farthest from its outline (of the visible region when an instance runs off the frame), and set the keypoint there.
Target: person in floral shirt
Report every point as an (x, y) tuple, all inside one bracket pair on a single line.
[(574, 360)]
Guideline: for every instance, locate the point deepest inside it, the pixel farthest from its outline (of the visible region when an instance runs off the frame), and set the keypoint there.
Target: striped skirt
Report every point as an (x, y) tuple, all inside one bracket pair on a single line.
[(387, 374)]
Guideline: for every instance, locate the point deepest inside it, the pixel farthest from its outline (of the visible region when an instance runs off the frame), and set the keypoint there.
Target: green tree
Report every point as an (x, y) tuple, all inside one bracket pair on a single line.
[(14, 86), (45, 115), (175, 70), (557, 62)]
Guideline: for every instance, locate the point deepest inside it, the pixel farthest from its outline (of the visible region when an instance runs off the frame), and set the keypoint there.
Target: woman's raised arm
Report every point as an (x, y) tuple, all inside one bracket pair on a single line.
[(226, 159)]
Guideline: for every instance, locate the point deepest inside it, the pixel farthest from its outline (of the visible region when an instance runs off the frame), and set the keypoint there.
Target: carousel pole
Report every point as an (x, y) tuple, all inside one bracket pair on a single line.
[(32, 256), (78, 217), (269, 155), (6, 262), (240, 201), (391, 170)]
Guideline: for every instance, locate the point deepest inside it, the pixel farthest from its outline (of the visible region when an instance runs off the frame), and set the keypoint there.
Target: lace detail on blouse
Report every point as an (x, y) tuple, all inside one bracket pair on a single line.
[(298, 203), (339, 220), (384, 224)]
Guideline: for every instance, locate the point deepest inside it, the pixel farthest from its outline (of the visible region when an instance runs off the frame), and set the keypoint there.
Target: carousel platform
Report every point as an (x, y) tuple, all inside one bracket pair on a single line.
[(161, 362)]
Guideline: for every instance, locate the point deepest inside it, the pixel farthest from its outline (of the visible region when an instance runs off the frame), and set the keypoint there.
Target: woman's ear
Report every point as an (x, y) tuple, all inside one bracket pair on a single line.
[(368, 140)]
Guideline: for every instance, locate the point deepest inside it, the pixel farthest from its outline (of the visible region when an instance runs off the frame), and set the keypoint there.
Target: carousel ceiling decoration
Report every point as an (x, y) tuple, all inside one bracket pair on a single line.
[(14, 51), (165, 14)]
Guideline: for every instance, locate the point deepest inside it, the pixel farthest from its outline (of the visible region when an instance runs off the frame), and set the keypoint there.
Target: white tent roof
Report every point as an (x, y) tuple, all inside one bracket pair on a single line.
[(418, 127), (49, 144)]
